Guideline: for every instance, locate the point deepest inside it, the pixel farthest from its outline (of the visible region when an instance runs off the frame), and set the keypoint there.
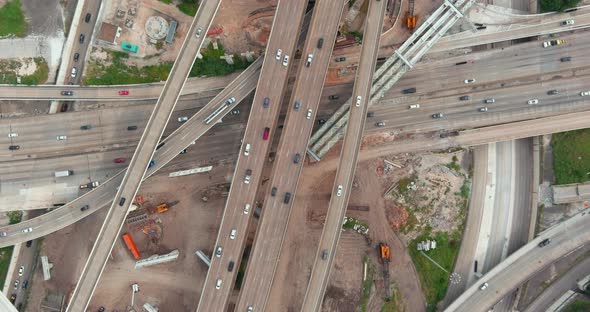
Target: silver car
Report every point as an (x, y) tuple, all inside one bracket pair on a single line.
[(286, 60)]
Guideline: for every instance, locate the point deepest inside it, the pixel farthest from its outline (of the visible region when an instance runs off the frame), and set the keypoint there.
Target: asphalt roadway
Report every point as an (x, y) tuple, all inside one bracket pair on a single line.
[(298, 125), (248, 171), (318, 282), (131, 181)]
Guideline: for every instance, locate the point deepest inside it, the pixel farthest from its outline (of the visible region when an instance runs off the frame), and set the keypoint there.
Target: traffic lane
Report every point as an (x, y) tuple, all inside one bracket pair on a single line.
[(523, 193), (86, 29)]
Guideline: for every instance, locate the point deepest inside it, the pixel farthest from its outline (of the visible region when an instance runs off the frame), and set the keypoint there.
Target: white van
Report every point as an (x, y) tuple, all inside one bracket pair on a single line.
[(247, 150)]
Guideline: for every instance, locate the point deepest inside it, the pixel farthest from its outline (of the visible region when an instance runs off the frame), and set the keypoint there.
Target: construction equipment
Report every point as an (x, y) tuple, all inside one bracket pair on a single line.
[(410, 17), (385, 259), (131, 246), (385, 253), (161, 208)]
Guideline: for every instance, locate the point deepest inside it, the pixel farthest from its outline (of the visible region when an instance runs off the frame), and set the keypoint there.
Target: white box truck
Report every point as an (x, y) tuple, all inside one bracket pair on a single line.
[(64, 173)]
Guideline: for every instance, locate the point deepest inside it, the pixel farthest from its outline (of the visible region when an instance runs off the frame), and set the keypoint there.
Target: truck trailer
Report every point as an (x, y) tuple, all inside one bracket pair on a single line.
[(131, 246)]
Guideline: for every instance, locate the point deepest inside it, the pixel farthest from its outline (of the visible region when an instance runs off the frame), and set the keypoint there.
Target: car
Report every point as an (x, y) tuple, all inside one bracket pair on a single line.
[(309, 113), (233, 233), (12, 298), (465, 98), (414, 106), (84, 208), (324, 254), (247, 209), (76, 57), (14, 147), (469, 80), (21, 270), (266, 133), (230, 266), (309, 59), (29, 243), (122, 201), (340, 59), (235, 112), (552, 92), (152, 163), (297, 158), (273, 191), (74, 72), (231, 100), (119, 160), (218, 284), (533, 101), (585, 93), (123, 92), (198, 33), (333, 97), (297, 105), (247, 150), (101, 309), (286, 60), (82, 38), (438, 115), (3, 234), (489, 101), (321, 121), (250, 309), (16, 283), (320, 43), (85, 127), (481, 27), (266, 102), (370, 114), (567, 22), (64, 107), (87, 18), (184, 151), (483, 286), (131, 128), (287, 198), (62, 137), (25, 284), (409, 91), (218, 251), (544, 242), (339, 191), (482, 109), (358, 101), (380, 124), (248, 176), (182, 119), (12, 135), (566, 59), (278, 56)]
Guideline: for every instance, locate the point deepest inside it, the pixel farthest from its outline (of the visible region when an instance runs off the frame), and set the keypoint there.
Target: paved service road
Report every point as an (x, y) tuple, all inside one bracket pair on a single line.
[(143, 155), (299, 122), (316, 288), (271, 85)]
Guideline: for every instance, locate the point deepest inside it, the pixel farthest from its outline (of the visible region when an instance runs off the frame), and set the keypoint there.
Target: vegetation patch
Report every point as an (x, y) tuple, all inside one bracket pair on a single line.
[(433, 279), (557, 5), (395, 304), (571, 156), (578, 306), (212, 65), (367, 284), (12, 20), (5, 255), (166, 1), (11, 69), (14, 217), (188, 7)]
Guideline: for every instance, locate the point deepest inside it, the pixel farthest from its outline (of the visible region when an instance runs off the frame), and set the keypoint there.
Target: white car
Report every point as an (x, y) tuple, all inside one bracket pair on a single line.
[(61, 137), (233, 233), (339, 192), (247, 209), (21, 270), (182, 119), (27, 230), (218, 284), (567, 22), (74, 72), (483, 286), (309, 112), (231, 100), (585, 93), (286, 60), (247, 150), (199, 31), (358, 101), (279, 53), (483, 109), (414, 106), (469, 80), (250, 309), (533, 101), (218, 252), (309, 58), (12, 135)]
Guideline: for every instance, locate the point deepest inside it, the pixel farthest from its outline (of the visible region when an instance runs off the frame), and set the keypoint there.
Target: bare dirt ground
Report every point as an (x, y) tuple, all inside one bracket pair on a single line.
[(188, 226)]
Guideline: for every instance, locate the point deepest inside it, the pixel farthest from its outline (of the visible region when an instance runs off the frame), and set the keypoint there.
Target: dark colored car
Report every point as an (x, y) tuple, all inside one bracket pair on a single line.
[(88, 17), (296, 158), (544, 242), (29, 243), (122, 201), (340, 59), (119, 160), (409, 91), (566, 59), (266, 102), (12, 298), (321, 121), (85, 127), (320, 43), (230, 266), (333, 97), (465, 98), (266, 133), (152, 163), (552, 92), (438, 115), (297, 105), (76, 57), (84, 208), (14, 147), (273, 191), (67, 92), (287, 198), (370, 114), (82, 38), (131, 128), (64, 107), (25, 284)]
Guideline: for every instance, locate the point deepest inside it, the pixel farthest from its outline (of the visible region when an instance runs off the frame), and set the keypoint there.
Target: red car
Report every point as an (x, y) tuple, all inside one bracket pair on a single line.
[(120, 160), (266, 133), (124, 92)]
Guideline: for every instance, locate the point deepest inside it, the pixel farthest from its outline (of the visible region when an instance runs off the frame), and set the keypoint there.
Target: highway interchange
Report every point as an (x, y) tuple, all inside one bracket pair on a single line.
[(532, 82)]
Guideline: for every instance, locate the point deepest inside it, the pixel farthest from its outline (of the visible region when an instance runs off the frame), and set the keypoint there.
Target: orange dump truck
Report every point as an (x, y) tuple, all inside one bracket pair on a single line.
[(162, 208), (131, 246), (385, 252)]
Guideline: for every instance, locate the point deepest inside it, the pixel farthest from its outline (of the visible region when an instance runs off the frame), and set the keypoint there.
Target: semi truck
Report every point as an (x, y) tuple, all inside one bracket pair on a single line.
[(131, 246), (64, 173)]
